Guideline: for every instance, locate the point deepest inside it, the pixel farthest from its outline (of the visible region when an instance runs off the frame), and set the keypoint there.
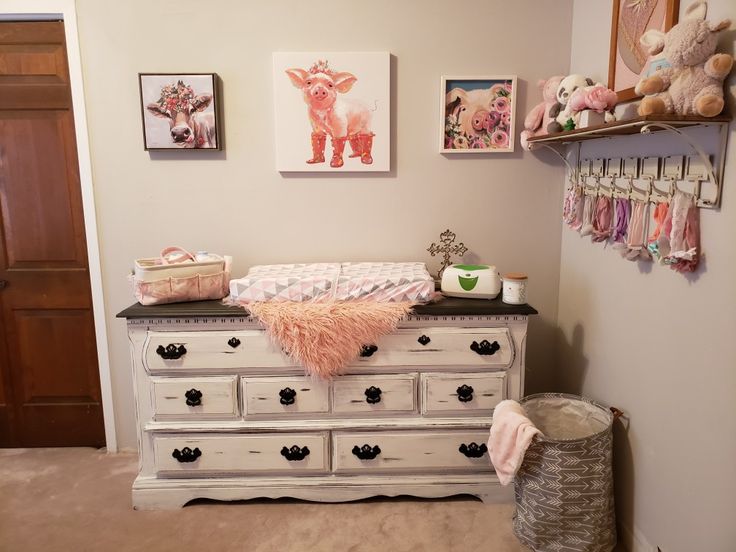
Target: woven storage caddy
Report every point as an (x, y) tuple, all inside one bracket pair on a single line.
[(564, 488)]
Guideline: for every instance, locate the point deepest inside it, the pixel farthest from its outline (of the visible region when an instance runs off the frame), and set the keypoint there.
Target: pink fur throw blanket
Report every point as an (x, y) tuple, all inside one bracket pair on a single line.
[(326, 337)]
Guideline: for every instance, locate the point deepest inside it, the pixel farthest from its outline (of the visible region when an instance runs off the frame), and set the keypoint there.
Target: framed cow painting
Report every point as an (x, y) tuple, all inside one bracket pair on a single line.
[(333, 111), (477, 114), (179, 111)]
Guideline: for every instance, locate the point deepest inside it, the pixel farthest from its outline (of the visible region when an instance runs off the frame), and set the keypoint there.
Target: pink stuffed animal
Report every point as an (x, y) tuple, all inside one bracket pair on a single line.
[(539, 117), (597, 98), (693, 82)]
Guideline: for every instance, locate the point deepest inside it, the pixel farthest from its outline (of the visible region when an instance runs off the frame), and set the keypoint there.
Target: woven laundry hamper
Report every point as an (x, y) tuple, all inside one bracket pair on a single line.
[(564, 488)]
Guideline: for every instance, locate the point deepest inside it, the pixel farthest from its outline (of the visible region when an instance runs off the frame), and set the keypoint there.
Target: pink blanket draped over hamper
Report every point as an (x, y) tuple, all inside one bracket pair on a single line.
[(511, 434)]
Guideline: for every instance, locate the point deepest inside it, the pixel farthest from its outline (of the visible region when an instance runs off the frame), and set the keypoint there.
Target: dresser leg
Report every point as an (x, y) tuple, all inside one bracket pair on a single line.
[(497, 495), (157, 500)]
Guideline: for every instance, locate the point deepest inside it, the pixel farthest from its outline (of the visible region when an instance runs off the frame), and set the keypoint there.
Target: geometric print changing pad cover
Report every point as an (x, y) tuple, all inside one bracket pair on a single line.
[(383, 282)]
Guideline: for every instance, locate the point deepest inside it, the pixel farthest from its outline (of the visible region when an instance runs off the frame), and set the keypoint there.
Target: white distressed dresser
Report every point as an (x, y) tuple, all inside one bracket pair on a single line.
[(225, 414)]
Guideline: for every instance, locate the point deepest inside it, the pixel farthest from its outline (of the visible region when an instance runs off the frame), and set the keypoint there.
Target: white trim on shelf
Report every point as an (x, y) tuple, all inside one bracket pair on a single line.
[(22, 10)]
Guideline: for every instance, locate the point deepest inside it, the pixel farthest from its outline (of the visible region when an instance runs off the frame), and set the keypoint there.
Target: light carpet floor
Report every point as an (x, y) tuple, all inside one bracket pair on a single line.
[(78, 499)]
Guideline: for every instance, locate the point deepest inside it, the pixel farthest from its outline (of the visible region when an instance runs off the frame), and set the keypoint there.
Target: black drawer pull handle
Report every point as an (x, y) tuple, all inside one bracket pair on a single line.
[(423, 340), (373, 395), (485, 347), (171, 351), (465, 393), (186, 454), (368, 350), (287, 395), (233, 342), (366, 452), (473, 450), (193, 397), (295, 453)]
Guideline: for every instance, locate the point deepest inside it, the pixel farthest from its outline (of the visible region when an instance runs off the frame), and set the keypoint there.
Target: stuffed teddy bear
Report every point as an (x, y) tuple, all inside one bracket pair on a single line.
[(561, 112), (693, 82), (596, 98), (539, 117)]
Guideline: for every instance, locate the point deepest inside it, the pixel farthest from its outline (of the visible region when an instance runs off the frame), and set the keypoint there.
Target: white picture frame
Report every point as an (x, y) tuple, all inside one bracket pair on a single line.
[(359, 83), (477, 114)]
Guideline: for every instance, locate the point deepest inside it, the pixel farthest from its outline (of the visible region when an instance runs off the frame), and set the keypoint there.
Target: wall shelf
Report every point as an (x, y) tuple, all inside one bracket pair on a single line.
[(688, 130), (624, 128)]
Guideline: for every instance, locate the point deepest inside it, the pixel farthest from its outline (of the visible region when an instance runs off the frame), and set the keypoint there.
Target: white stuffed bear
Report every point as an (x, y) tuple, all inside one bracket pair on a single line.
[(562, 111)]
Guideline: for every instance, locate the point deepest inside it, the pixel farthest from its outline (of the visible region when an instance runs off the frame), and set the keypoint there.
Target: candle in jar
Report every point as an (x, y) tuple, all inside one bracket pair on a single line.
[(514, 288)]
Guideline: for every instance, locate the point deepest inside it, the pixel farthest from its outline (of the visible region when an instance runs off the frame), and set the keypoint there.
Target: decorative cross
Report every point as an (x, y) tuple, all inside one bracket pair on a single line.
[(447, 247)]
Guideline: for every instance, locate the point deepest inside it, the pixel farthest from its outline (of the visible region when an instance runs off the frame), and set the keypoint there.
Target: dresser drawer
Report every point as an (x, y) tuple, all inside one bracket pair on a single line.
[(242, 453), (206, 397), (211, 350), (441, 347), (377, 394), (285, 395), (410, 451), (462, 393)]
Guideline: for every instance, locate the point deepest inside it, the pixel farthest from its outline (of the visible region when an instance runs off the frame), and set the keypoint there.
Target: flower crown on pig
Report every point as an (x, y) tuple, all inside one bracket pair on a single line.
[(321, 66), (177, 98)]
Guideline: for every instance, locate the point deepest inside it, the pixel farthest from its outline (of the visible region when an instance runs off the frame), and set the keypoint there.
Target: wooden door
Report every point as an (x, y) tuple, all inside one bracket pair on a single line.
[(49, 381)]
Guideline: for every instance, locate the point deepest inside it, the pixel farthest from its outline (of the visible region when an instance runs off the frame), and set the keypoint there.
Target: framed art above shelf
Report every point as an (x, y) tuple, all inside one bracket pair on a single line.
[(697, 156)]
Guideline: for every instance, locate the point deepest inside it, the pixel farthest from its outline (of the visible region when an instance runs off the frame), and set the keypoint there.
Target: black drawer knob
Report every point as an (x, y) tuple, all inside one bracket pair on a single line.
[(423, 340), (193, 397), (186, 454), (287, 396), (233, 342), (373, 395), (485, 347), (465, 393), (295, 453), (171, 351), (368, 350), (473, 450), (366, 452)]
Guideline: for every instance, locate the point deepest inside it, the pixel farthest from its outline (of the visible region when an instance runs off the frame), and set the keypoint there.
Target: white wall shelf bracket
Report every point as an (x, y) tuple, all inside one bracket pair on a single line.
[(572, 172)]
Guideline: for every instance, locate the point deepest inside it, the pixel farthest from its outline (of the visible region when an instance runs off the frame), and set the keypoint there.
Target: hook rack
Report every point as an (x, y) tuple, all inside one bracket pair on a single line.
[(703, 164), (717, 180)]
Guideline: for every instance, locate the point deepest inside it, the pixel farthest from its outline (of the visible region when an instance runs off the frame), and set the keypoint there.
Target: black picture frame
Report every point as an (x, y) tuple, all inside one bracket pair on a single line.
[(194, 132)]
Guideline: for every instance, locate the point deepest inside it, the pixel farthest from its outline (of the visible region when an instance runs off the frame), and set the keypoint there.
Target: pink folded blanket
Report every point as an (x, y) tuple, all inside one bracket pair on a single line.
[(511, 434)]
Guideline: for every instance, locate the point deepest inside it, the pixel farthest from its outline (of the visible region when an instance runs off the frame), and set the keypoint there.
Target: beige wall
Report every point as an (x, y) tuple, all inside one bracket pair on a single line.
[(661, 347), (235, 202)]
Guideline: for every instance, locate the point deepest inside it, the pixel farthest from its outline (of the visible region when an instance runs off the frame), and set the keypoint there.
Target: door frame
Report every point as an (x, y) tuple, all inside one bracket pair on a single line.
[(40, 10)]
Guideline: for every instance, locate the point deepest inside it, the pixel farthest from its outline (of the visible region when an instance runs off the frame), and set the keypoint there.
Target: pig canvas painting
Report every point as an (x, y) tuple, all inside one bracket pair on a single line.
[(179, 111), (332, 111), (477, 114)]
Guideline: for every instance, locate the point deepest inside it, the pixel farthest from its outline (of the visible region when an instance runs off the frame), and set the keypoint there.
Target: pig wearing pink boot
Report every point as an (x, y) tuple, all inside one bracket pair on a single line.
[(331, 114)]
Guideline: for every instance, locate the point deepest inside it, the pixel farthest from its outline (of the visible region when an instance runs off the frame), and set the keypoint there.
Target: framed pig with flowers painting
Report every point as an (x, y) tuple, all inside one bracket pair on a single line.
[(179, 111), (477, 114)]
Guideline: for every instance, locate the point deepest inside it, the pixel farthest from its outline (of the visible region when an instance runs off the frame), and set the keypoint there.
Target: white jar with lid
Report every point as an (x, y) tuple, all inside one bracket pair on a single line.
[(514, 288)]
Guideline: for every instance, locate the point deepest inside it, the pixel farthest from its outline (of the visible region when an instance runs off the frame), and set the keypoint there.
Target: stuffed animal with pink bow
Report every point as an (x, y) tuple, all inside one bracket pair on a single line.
[(597, 98), (331, 114)]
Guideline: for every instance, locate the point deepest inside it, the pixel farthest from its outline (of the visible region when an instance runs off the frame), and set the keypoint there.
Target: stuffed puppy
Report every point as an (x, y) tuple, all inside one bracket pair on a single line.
[(597, 98), (693, 82), (561, 111), (539, 117)]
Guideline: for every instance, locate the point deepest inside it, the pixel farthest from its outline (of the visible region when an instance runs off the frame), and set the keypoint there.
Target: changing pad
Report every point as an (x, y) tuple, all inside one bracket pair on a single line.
[(337, 281)]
